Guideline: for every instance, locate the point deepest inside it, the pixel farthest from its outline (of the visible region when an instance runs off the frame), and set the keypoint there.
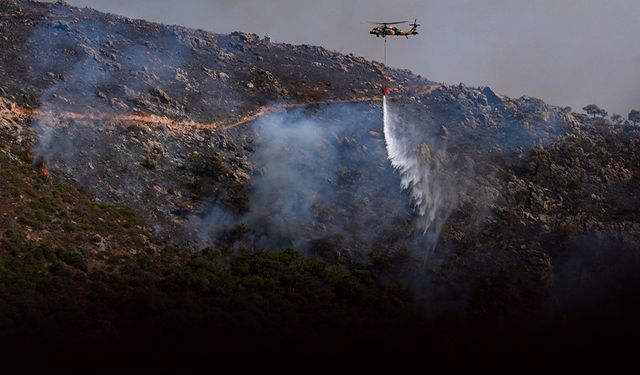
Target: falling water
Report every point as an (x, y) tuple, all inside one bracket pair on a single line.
[(415, 171)]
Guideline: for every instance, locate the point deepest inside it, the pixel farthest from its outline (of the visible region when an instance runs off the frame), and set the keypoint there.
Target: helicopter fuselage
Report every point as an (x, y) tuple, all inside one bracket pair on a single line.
[(384, 31)]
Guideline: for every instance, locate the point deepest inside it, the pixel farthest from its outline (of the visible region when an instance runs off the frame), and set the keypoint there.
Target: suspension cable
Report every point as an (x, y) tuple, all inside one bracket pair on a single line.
[(385, 52)]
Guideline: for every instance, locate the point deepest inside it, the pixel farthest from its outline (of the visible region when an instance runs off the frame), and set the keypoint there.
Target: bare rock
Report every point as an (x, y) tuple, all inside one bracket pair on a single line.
[(161, 95)]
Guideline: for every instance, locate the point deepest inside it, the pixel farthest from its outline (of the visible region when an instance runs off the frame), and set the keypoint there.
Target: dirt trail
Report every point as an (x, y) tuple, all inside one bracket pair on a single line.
[(155, 119), (113, 118)]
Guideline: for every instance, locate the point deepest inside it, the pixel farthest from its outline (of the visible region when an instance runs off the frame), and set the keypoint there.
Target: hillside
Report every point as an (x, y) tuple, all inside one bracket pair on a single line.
[(162, 185)]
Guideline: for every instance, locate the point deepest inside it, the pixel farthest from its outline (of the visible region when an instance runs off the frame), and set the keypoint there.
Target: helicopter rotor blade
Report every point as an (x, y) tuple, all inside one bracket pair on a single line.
[(387, 23)]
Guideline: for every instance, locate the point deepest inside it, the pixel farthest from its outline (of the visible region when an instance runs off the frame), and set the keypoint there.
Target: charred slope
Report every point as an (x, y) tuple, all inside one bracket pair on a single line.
[(237, 143)]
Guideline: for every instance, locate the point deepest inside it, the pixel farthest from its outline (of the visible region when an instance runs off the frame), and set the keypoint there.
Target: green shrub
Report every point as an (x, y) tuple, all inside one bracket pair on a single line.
[(149, 163), (73, 258), (211, 252)]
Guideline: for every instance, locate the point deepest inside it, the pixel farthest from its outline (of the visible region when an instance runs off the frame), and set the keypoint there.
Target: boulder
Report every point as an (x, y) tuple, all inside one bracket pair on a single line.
[(161, 95), (492, 97)]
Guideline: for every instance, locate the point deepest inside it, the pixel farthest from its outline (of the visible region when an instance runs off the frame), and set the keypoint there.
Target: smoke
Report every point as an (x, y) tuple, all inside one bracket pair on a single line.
[(84, 73), (567, 52), (338, 178), (207, 227), (321, 178), (296, 162)]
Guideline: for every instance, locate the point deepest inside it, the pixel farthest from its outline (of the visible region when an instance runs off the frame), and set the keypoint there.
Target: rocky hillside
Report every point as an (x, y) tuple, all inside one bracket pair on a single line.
[(160, 169)]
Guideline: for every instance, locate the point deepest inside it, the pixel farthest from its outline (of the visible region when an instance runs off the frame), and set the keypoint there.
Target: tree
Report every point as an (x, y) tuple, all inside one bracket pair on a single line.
[(634, 116), (616, 118), (595, 111)]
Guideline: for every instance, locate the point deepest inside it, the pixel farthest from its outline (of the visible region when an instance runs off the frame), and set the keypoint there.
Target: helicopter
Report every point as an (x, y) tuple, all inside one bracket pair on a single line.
[(384, 29)]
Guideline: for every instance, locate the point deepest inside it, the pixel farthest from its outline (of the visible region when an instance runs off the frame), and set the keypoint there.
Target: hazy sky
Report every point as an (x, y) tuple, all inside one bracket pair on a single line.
[(567, 52)]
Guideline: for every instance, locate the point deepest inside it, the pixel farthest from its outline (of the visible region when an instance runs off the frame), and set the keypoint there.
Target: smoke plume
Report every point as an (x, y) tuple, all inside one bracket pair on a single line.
[(322, 178)]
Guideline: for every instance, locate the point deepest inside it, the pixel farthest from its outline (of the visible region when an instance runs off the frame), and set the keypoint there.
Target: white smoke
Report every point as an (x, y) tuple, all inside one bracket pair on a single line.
[(421, 173)]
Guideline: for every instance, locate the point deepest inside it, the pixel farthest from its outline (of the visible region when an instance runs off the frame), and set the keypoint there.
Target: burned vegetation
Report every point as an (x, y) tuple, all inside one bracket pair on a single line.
[(166, 190)]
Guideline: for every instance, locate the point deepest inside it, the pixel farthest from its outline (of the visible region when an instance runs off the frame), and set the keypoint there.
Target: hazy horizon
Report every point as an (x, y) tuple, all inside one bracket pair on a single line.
[(567, 52)]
